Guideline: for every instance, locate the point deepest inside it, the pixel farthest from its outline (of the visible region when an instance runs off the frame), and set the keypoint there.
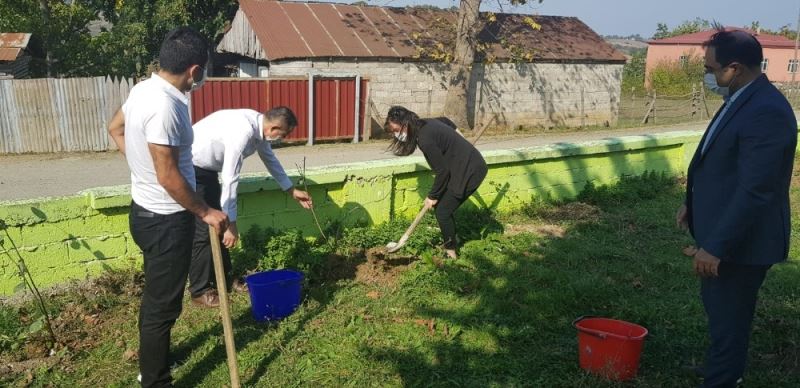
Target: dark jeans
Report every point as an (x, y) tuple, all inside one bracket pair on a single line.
[(201, 272), (730, 302), (166, 244), (447, 206)]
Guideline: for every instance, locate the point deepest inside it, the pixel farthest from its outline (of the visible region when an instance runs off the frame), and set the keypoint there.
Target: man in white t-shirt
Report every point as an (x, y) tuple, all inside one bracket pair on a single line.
[(153, 131), (221, 143)]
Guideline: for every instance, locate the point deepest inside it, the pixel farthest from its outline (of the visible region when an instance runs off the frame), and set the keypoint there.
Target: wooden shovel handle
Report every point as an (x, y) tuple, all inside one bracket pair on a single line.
[(413, 225), (222, 290)]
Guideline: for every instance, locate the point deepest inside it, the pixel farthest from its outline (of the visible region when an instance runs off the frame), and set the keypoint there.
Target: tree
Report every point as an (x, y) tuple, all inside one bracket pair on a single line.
[(59, 31), (687, 27), (466, 44), (633, 72), (131, 46), (785, 30), (124, 37)]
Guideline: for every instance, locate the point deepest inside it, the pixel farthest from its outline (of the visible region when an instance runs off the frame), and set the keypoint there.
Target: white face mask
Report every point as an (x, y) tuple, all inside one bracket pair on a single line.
[(711, 83), (401, 136), (197, 84), (273, 139)]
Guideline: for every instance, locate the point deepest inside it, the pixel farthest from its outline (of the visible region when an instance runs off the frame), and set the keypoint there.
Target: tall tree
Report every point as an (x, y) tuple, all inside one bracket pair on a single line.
[(466, 44), (455, 104), (687, 27)]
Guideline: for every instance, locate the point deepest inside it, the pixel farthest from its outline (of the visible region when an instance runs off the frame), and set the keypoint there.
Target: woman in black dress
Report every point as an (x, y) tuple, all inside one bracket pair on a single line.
[(457, 164)]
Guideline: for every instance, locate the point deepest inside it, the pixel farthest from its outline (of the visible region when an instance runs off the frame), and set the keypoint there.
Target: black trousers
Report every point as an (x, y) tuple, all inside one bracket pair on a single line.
[(201, 272), (730, 302), (449, 203), (166, 244)]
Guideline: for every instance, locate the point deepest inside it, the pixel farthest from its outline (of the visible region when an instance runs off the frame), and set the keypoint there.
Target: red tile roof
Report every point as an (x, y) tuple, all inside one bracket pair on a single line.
[(698, 38), (291, 30), (11, 44)]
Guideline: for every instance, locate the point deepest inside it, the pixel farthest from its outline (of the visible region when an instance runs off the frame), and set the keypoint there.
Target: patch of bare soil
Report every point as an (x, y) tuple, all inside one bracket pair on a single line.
[(574, 212), (551, 231), (80, 323), (382, 268), (337, 268)]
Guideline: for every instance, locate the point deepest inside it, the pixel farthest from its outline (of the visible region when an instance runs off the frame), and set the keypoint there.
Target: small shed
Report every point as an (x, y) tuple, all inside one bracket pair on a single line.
[(14, 57)]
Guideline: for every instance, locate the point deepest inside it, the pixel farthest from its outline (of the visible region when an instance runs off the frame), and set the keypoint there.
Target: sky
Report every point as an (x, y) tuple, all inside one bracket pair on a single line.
[(627, 17)]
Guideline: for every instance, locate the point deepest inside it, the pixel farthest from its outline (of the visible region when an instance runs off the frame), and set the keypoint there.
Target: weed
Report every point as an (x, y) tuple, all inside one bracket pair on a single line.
[(629, 189)]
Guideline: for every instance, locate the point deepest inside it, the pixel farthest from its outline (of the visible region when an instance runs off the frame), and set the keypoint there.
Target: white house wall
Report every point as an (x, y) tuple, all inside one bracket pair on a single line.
[(537, 94)]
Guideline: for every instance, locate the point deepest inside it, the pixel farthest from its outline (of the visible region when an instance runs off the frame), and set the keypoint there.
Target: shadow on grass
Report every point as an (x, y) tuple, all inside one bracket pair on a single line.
[(504, 315), (248, 331)]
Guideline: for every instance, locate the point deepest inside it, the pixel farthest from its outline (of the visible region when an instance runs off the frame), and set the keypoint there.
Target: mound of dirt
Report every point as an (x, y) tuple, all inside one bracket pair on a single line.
[(380, 268)]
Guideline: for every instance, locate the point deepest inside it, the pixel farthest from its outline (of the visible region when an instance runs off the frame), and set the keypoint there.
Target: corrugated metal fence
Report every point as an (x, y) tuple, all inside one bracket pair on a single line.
[(59, 114), (72, 114), (335, 100)]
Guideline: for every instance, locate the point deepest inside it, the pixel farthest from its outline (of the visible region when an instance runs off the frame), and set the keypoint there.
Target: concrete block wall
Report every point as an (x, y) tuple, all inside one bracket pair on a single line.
[(80, 236), (528, 94)]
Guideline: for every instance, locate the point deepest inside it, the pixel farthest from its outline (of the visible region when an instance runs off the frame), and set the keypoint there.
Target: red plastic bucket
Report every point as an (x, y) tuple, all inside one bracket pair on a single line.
[(608, 347)]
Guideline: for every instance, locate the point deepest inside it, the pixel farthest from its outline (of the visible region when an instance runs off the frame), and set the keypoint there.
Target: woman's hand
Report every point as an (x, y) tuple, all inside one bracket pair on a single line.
[(430, 203)]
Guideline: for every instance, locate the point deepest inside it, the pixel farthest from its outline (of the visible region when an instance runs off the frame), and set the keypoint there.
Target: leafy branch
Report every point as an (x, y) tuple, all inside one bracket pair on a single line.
[(27, 281)]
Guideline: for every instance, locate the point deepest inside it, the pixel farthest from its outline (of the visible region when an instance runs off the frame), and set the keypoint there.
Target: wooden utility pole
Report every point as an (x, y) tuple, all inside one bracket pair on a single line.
[(796, 42)]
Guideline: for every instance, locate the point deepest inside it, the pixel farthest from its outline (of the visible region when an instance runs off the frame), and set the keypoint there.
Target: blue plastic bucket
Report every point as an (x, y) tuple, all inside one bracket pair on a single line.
[(274, 294)]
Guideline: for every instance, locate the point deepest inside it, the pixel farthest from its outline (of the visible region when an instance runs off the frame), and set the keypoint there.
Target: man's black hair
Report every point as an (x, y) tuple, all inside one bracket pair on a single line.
[(735, 46), (182, 48)]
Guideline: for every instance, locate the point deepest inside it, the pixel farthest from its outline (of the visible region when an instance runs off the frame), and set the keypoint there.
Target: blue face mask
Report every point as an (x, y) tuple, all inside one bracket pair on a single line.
[(401, 136)]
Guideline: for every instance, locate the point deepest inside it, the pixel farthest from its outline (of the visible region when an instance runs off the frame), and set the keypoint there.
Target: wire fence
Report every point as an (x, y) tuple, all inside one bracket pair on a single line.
[(653, 108), (658, 109)]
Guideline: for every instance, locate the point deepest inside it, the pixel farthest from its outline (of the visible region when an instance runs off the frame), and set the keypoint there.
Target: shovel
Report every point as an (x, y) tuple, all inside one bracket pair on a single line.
[(395, 246), (222, 290)]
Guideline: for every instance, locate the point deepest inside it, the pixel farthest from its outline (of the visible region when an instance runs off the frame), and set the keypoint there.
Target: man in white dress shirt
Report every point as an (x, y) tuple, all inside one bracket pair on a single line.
[(222, 141), (153, 131)]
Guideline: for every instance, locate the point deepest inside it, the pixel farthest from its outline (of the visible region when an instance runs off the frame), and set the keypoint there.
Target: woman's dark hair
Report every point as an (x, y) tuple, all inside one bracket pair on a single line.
[(412, 123), (735, 46)]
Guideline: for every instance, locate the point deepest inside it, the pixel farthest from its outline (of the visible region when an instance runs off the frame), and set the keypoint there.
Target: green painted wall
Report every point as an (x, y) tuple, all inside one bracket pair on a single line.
[(79, 236)]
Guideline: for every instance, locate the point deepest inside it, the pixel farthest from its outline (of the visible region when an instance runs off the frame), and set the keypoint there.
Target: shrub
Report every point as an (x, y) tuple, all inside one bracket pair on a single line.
[(672, 78)]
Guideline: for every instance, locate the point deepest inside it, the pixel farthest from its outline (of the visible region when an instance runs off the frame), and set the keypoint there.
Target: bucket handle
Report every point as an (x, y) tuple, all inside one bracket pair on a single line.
[(597, 334)]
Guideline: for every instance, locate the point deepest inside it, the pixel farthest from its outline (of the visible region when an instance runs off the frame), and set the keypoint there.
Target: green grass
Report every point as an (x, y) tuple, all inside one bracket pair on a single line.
[(499, 316)]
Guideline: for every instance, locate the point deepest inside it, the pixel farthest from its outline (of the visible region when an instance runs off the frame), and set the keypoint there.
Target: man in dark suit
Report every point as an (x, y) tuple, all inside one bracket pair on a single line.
[(737, 199)]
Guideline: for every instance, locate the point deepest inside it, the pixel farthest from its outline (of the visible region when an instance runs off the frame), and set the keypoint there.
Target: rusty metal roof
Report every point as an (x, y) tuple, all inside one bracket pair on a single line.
[(11, 44), (292, 30), (698, 38)]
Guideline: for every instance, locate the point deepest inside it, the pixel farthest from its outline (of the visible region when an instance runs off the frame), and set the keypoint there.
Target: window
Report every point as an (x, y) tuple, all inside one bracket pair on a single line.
[(764, 64), (248, 69), (792, 66), (683, 60)]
